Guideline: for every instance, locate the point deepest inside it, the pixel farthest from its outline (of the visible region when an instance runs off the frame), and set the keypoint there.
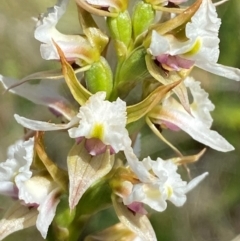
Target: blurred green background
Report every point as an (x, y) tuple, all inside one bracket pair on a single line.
[(212, 211)]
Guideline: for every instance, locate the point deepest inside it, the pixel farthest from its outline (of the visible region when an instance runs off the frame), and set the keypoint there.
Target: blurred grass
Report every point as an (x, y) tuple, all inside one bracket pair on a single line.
[(212, 212)]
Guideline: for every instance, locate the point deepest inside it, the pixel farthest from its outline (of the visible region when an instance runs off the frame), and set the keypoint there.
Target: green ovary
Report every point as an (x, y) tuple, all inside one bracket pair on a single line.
[(98, 131)]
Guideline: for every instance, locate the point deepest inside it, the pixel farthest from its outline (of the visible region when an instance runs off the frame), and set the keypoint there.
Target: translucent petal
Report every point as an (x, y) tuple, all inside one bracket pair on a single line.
[(46, 93), (17, 217), (84, 170)]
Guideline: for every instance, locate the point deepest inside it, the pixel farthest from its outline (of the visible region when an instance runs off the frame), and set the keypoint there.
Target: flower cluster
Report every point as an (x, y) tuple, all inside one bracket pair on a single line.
[(156, 47)]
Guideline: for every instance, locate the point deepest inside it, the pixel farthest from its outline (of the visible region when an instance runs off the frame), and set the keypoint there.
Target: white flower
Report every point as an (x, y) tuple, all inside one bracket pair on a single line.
[(73, 46), (42, 193), (197, 124), (103, 120), (164, 183), (16, 181), (201, 49), (16, 169)]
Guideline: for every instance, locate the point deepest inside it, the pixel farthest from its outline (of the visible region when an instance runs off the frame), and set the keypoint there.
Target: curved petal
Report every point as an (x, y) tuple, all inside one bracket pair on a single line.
[(72, 45), (194, 182), (221, 70), (205, 26), (47, 210), (44, 126), (195, 128), (201, 105)]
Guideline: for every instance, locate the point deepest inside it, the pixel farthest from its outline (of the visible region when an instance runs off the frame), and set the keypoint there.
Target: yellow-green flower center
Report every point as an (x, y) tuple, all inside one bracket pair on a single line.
[(98, 131), (169, 191), (195, 48)]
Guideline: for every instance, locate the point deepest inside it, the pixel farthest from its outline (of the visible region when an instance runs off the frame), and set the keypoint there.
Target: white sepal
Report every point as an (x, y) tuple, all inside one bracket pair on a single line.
[(43, 126)]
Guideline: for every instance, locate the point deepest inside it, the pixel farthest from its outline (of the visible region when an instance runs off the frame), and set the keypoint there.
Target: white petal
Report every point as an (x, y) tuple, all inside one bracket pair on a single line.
[(137, 166), (194, 182), (195, 128), (101, 3), (36, 189), (221, 70), (159, 44), (178, 1), (46, 32), (205, 26), (45, 27), (47, 211), (43, 126), (8, 188), (201, 106), (137, 145), (45, 93)]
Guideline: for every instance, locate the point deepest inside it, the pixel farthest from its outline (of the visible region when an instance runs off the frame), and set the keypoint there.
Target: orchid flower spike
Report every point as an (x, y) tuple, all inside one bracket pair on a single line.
[(173, 116), (39, 192), (201, 48), (163, 183)]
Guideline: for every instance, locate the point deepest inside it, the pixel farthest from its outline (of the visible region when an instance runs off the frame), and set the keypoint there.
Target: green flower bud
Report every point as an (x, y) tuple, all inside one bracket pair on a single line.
[(99, 77), (96, 198), (64, 216), (132, 71), (121, 30), (143, 16)]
